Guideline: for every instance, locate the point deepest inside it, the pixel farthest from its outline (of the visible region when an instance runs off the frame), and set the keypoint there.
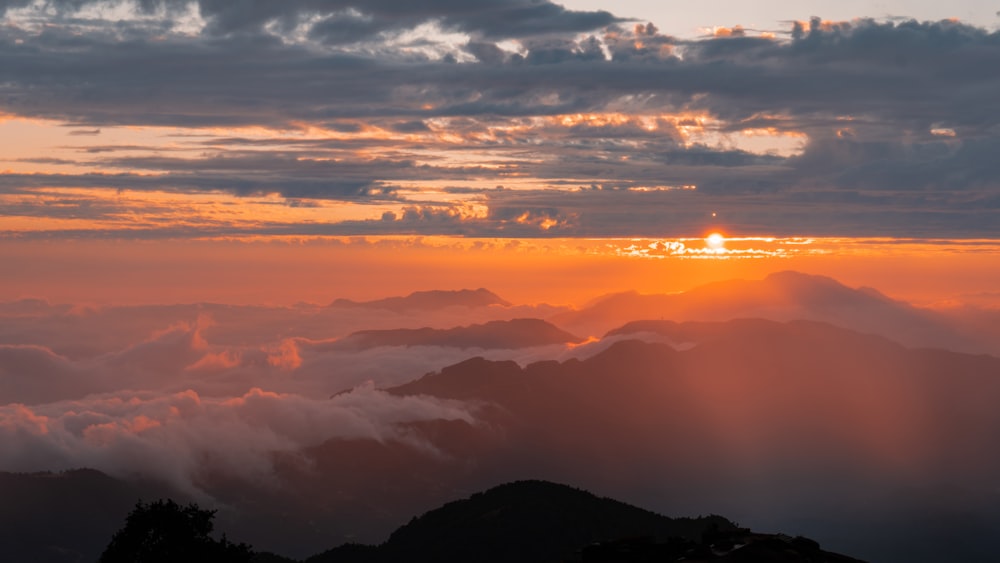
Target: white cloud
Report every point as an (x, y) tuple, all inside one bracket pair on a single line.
[(182, 437)]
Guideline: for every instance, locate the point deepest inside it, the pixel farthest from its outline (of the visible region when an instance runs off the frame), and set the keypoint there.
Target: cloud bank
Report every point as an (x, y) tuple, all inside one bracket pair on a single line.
[(179, 438), (593, 126), (142, 392)]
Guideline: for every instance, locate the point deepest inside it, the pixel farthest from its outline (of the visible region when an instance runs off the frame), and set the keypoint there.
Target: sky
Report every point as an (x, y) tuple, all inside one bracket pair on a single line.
[(172, 125)]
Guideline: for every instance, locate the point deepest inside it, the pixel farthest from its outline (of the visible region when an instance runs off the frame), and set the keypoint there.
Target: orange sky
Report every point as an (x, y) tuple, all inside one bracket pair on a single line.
[(441, 148), (557, 271)]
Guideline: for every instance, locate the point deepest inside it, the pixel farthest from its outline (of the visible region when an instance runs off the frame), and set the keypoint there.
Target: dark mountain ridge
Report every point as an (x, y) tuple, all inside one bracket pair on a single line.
[(543, 522), (515, 333), (799, 414), (429, 300)]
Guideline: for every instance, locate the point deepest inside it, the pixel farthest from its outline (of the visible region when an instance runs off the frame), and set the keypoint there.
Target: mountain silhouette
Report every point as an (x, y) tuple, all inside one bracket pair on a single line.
[(751, 373), (530, 521), (429, 300), (786, 296), (540, 522), (515, 333), (799, 414)]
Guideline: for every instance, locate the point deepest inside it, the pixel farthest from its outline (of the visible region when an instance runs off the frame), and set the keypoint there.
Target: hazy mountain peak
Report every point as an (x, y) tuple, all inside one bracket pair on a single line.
[(792, 280), (795, 275), (611, 297), (819, 290), (785, 296)]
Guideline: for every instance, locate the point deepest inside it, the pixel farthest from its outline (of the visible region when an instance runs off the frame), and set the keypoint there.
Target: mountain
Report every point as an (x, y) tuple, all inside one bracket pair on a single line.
[(429, 300), (749, 375), (541, 522), (516, 333), (803, 417), (786, 296)]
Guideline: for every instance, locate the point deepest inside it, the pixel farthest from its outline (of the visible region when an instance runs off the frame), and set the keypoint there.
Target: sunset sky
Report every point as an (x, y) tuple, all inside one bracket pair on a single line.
[(215, 141)]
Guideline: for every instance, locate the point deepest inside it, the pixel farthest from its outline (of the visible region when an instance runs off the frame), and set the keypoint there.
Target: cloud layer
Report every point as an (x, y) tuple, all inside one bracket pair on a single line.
[(182, 394), (594, 126)]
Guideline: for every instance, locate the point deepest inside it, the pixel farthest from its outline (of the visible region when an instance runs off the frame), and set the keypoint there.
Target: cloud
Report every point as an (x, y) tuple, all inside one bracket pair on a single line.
[(197, 81), (34, 374), (340, 21), (181, 437), (58, 352), (481, 18), (382, 103)]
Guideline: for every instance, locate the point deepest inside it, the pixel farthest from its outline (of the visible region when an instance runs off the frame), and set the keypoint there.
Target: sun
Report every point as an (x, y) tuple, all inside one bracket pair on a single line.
[(715, 241)]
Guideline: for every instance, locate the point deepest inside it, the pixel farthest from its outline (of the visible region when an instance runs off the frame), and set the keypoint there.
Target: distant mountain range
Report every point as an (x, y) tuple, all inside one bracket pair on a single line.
[(515, 333), (786, 296), (781, 296), (429, 300), (87, 333)]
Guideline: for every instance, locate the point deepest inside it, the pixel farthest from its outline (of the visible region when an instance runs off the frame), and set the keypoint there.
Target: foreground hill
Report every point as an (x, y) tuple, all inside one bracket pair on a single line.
[(516, 333), (542, 522)]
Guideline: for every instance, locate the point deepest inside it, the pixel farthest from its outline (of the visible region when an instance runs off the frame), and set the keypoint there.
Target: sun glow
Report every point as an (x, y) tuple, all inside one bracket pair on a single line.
[(716, 242)]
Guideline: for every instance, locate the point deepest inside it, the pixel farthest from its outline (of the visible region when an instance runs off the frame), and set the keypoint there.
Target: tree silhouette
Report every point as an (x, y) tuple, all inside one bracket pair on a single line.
[(163, 531)]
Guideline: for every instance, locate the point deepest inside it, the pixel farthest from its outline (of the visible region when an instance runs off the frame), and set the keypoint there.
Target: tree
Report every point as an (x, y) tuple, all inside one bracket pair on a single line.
[(165, 532)]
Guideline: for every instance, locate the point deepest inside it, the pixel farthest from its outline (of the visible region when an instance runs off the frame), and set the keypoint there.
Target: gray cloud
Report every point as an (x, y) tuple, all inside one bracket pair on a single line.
[(854, 70), (349, 21), (341, 21), (896, 121)]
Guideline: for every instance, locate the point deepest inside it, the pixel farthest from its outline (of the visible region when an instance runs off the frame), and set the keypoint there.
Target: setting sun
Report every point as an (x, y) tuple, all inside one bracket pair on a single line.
[(715, 241)]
